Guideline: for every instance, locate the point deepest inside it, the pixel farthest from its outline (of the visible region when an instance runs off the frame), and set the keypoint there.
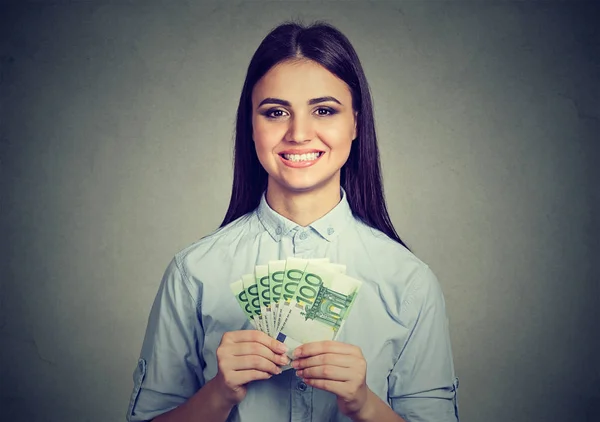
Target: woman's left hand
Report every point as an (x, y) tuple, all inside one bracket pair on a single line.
[(336, 367)]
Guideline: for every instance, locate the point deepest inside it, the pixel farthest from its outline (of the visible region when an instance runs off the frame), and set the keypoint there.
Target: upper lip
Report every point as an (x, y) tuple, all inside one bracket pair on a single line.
[(300, 151)]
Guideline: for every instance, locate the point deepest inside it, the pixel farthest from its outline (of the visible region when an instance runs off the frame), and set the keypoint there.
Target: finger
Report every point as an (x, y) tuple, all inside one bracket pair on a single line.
[(253, 348), (243, 336), (344, 361), (242, 363), (329, 346), (328, 372)]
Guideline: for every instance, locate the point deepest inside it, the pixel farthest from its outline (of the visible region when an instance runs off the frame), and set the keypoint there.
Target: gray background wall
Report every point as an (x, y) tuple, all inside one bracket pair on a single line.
[(115, 142)]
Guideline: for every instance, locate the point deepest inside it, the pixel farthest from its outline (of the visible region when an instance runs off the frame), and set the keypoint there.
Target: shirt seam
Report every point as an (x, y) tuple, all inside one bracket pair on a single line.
[(198, 312), (185, 277), (406, 302)]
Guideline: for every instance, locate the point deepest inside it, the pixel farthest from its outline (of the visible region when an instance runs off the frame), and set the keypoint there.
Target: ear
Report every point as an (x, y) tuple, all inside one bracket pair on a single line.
[(355, 133)]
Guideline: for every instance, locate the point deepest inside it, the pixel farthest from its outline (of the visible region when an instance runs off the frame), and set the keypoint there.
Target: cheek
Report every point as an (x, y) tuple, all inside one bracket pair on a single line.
[(258, 136), (337, 138), (266, 136)]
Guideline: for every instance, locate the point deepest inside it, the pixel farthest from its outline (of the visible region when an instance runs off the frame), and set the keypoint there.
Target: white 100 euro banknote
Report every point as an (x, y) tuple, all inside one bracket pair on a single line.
[(296, 287), (297, 300), (295, 269), (322, 317)]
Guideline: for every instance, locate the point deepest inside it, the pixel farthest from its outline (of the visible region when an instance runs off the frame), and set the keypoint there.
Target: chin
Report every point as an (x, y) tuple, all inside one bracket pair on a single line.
[(301, 189), (306, 187)]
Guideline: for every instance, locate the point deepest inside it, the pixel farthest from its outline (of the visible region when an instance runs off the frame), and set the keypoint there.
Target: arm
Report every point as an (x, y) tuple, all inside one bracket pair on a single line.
[(170, 369), (208, 404), (169, 383), (341, 369), (422, 384), (376, 410), (243, 356)]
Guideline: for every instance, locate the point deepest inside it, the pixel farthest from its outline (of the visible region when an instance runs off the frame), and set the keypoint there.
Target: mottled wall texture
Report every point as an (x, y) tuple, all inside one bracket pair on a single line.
[(116, 144)]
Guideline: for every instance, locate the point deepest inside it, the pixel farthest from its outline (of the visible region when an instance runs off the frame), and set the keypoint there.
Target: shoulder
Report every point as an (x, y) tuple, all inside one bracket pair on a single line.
[(390, 258), (216, 248)]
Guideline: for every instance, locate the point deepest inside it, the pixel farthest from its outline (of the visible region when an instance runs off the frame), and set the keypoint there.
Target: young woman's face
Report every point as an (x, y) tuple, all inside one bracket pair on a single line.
[(303, 126)]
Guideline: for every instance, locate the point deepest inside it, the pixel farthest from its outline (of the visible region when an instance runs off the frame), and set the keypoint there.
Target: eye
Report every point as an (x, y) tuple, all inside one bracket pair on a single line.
[(274, 113), (325, 111)]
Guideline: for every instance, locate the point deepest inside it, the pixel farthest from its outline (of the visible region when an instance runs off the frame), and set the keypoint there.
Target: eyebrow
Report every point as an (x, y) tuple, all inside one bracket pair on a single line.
[(271, 100)]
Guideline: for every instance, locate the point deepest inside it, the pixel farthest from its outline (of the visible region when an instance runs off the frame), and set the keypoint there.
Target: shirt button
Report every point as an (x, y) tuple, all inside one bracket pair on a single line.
[(278, 230), (303, 236), (330, 231), (302, 386)]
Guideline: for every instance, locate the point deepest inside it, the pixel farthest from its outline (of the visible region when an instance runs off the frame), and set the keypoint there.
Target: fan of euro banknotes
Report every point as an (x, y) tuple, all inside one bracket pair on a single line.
[(297, 300)]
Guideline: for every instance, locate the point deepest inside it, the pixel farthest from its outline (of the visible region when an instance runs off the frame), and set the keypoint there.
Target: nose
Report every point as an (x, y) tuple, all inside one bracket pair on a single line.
[(300, 129)]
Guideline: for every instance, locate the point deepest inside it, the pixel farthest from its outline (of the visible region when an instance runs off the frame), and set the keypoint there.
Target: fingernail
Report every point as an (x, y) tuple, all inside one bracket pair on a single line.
[(297, 352), (299, 373), (295, 364), (282, 348), (284, 359), (279, 371)]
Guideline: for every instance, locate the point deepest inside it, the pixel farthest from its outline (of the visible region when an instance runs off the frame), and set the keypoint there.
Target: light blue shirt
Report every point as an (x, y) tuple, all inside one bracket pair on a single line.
[(398, 320)]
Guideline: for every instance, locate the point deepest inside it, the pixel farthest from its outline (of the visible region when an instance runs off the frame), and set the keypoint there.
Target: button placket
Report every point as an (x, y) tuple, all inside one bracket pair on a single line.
[(302, 243), (301, 397)]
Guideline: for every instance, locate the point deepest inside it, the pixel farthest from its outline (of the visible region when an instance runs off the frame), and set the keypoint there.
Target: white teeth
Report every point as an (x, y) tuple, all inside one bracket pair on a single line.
[(302, 157)]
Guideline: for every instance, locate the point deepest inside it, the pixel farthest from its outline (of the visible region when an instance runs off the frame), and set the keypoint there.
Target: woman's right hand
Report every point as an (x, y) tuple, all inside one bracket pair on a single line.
[(244, 356)]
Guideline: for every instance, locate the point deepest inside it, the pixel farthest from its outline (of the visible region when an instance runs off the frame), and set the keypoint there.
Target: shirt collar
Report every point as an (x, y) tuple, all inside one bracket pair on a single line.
[(328, 226)]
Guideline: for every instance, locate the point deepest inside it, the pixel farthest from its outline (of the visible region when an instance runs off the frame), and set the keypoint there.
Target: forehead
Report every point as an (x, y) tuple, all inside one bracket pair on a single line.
[(300, 80)]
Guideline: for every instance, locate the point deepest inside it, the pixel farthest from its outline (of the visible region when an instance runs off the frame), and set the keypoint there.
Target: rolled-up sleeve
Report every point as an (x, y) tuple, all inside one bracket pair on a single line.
[(169, 369), (422, 385)]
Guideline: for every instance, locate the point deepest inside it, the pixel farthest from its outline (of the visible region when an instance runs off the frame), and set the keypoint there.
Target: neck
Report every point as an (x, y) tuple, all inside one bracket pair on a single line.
[(303, 208)]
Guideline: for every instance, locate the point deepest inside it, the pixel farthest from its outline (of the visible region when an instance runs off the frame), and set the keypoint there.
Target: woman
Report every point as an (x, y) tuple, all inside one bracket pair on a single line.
[(307, 184)]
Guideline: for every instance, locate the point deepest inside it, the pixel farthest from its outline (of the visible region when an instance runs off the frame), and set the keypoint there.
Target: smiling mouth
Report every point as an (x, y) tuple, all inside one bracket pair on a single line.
[(298, 158)]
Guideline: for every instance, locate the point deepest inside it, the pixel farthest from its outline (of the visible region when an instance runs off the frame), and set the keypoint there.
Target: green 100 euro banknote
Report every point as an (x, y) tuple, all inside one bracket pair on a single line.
[(297, 300)]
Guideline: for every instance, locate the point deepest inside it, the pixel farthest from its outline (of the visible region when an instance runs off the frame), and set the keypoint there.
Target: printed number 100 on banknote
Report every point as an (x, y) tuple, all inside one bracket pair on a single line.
[(319, 308), (297, 300)]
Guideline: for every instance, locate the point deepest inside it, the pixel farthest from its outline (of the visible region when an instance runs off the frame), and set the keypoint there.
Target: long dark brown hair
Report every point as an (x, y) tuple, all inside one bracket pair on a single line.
[(361, 174)]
